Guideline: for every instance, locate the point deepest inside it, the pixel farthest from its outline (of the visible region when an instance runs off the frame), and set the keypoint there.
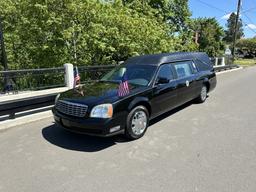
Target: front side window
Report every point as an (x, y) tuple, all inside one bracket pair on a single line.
[(194, 68), (165, 72), (183, 69)]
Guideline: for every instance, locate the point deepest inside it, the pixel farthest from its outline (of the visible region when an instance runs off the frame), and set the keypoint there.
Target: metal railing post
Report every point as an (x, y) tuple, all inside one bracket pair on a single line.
[(222, 61), (69, 75), (216, 61)]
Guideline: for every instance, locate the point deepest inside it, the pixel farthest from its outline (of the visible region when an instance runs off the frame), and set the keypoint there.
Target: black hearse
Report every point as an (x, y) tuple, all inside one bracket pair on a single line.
[(157, 84)]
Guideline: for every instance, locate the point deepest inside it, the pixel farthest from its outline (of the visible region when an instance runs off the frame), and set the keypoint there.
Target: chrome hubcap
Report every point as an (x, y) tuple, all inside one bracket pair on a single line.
[(139, 122), (204, 93)]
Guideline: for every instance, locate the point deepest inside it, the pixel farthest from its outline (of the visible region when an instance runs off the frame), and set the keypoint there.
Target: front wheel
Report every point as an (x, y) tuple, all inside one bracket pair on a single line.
[(137, 122), (203, 95)]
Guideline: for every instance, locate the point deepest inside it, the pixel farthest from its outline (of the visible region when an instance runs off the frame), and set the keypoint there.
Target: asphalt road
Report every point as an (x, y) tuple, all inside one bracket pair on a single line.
[(208, 147)]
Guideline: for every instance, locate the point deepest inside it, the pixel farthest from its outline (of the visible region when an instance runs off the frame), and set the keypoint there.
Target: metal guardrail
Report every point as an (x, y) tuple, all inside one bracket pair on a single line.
[(32, 79), (225, 67), (20, 105), (38, 79)]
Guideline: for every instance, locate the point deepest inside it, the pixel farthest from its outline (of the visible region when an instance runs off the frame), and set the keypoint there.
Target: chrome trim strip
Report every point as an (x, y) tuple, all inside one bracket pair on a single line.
[(71, 103)]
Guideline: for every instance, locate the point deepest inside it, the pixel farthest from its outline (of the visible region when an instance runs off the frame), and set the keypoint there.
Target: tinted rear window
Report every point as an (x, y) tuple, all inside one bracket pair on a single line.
[(183, 69)]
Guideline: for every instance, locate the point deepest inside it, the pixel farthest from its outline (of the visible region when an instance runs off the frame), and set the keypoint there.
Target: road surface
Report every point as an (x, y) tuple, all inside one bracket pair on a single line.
[(208, 147)]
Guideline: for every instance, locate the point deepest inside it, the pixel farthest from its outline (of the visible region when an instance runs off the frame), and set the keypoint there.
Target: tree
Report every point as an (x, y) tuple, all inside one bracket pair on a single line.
[(174, 12), (248, 45), (53, 32), (210, 35), (230, 31)]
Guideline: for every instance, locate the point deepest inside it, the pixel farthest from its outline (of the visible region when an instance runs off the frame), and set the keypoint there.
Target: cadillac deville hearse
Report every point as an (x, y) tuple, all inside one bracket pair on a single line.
[(155, 84)]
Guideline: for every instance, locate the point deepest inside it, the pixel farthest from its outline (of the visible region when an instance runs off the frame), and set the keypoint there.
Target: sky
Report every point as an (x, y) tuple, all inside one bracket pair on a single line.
[(221, 9)]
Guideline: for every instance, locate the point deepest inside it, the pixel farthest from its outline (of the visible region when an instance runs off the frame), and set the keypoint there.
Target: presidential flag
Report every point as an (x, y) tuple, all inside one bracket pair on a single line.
[(76, 77), (123, 89)]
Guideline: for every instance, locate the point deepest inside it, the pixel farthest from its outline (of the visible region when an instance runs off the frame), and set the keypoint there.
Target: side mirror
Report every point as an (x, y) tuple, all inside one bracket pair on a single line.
[(162, 80)]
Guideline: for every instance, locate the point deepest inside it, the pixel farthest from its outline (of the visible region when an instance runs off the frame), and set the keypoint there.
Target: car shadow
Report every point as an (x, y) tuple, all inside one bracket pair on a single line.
[(79, 142)]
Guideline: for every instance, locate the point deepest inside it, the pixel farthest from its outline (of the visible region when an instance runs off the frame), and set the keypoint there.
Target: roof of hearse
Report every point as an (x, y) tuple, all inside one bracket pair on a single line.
[(158, 59)]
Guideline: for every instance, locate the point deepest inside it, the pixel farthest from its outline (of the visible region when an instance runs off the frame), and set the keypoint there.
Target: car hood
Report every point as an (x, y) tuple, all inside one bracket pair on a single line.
[(96, 93)]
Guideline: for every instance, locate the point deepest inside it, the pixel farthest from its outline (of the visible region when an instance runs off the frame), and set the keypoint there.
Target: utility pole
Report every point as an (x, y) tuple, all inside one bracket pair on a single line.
[(236, 26), (196, 37), (4, 57)]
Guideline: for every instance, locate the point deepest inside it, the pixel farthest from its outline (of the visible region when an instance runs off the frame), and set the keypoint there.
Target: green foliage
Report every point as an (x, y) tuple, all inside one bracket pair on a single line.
[(229, 33), (247, 44), (50, 33), (210, 35), (175, 12), (245, 62)]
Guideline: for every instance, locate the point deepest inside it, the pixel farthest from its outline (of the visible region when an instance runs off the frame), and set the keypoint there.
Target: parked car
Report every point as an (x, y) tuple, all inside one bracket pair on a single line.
[(157, 84)]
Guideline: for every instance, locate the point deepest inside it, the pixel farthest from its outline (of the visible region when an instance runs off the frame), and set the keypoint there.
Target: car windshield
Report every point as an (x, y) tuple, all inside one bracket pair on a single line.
[(136, 74)]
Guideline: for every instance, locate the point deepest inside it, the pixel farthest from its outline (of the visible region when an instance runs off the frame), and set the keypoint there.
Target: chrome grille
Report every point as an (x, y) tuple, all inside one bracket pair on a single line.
[(73, 109)]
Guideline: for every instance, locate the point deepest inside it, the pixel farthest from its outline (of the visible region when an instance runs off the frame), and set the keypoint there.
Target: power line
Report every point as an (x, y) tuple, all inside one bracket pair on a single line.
[(249, 27), (212, 6), (249, 10), (223, 11), (250, 20)]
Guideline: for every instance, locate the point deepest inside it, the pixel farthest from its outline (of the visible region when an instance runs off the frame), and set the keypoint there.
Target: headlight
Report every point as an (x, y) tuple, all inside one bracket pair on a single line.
[(57, 97), (102, 111)]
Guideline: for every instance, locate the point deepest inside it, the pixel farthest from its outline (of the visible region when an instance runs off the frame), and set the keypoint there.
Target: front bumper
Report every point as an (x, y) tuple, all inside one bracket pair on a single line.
[(213, 83), (91, 126)]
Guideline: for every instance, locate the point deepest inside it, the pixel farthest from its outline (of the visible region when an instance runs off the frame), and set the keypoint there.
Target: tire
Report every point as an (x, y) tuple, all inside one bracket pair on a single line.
[(137, 123), (203, 94)]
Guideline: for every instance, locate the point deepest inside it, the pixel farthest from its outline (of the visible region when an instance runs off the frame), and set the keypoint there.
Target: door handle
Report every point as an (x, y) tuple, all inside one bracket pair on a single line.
[(187, 83)]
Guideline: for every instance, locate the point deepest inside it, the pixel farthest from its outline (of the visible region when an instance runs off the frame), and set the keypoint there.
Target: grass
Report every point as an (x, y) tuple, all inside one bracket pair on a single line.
[(245, 62)]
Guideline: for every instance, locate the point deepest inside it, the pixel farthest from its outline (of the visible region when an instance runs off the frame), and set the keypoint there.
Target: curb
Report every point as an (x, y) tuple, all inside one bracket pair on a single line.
[(11, 123), (228, 71)]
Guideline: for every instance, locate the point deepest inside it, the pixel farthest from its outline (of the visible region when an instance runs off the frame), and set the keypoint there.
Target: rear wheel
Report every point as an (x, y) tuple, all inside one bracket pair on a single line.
[(203, 94), (137, 122)]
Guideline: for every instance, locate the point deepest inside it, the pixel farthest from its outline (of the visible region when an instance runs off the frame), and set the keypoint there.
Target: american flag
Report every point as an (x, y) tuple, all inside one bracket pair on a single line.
[(123, 87), (76, 77)]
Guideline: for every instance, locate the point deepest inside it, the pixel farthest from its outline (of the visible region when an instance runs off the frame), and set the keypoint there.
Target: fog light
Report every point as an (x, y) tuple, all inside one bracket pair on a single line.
[(113, 129), (56, 118)]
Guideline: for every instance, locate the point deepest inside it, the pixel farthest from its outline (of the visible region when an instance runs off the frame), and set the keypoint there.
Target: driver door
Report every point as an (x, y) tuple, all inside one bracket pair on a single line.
[(164, 90)]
